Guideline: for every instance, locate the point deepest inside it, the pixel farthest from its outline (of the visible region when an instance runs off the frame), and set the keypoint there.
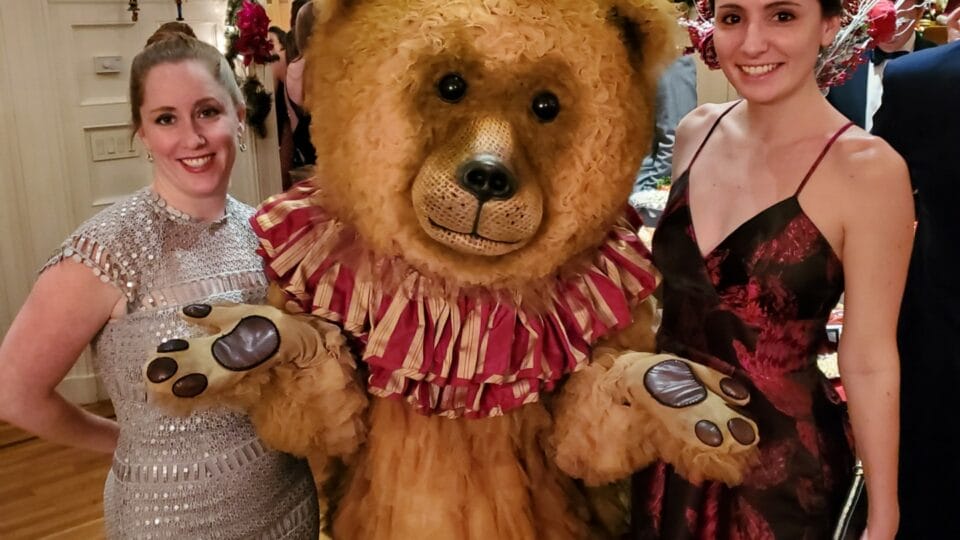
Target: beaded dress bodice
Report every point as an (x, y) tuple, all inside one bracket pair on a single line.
[(206, 475)]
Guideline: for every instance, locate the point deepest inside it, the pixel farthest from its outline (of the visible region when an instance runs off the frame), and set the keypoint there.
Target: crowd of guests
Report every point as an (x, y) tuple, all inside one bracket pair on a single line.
[(781, 158)]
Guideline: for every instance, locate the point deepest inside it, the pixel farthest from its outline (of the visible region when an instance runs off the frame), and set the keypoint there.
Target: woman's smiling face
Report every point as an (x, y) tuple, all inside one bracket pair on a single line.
[(768, 48), (191, 127)]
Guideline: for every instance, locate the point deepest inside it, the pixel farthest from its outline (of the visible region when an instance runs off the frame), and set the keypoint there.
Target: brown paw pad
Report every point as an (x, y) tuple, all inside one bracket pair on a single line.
[(161, 369), (672, 383), (742, 431), (734, 388), (708, 433), (197, 311), (252, 342), (190, 386), (173, 345)]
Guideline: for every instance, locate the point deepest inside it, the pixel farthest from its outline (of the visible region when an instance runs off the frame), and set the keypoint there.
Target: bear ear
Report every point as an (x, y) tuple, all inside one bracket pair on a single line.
[(649, 30)]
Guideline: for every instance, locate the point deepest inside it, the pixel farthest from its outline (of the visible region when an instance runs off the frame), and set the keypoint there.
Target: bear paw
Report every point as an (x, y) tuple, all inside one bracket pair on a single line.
[(691, 422), (674, 384), (206, 365)]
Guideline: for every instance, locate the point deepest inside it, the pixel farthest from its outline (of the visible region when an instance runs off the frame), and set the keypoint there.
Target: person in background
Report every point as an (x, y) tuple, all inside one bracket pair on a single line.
[(676, 96), (304, 153), (951, 19), (778, 206), (860, 97), (120, 283), (292, 51), (928, 138), (278, 69)]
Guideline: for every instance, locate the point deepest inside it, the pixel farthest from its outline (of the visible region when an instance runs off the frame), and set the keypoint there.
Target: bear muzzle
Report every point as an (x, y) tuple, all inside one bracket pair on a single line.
[(468, 196)]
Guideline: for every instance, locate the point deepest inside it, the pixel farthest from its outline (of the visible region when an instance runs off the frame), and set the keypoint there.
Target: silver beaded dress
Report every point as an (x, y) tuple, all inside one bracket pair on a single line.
[(206, 475)]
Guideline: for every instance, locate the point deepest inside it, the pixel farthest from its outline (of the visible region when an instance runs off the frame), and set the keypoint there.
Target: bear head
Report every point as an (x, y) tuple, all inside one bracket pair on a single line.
[(484, 142)]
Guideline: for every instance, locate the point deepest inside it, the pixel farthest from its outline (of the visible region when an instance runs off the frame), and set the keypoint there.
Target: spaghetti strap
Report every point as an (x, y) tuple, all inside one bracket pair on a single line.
[(823, 153), (709, 133)]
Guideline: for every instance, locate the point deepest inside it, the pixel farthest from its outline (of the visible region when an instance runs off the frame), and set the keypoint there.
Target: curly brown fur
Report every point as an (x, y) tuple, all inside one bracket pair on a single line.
[(313, 406), (430, 477), (597, 437)]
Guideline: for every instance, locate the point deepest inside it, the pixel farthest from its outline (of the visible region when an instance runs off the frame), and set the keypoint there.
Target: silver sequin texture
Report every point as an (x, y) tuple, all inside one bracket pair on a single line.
[(206, 475)]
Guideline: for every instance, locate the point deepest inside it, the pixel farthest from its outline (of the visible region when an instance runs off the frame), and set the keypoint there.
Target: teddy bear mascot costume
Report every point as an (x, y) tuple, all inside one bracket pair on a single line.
[(459, 296)]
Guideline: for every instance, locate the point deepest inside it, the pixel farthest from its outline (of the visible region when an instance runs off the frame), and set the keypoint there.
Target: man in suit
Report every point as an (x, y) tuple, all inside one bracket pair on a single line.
[(859, 98), (919, 119)]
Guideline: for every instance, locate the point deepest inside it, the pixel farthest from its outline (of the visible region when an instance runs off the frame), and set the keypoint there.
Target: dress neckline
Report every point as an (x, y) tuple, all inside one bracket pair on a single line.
[(706, 255), (174, 214), (684, 185)]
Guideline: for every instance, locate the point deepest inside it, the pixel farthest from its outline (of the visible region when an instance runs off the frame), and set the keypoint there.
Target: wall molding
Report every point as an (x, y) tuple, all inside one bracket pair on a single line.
[(104, 24)]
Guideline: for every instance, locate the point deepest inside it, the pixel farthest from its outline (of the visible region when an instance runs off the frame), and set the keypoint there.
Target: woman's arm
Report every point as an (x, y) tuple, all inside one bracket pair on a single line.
[(878, 235), (66, 308)]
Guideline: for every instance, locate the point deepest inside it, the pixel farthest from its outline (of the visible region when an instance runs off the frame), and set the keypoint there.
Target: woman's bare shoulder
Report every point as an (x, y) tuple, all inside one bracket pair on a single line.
[(872, 182), (700, 119), (868, 162), (692, 130)]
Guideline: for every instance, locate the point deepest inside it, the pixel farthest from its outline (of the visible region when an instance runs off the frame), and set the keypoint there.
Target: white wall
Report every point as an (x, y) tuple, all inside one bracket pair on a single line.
[(51, 102), (712, 85)]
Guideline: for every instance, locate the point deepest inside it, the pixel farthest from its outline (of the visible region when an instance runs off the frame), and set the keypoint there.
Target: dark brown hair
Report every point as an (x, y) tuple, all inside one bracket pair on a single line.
[(304, 28), (168, 46), (168, 28)]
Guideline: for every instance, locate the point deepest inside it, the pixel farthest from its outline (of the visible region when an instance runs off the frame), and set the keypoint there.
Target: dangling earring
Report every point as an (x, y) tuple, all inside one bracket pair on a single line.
[(241, 143), (150, 156)]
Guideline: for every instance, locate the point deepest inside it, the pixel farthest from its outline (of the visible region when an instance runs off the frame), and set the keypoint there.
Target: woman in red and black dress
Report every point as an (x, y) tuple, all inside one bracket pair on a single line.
[(778, 207)]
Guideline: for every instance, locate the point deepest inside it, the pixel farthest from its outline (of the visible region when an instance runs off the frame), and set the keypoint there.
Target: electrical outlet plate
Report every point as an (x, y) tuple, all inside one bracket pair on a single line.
[(107, 64)]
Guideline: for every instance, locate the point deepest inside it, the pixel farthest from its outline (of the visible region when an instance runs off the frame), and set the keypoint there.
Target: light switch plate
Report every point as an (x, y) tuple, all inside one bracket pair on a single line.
[(108, 143)]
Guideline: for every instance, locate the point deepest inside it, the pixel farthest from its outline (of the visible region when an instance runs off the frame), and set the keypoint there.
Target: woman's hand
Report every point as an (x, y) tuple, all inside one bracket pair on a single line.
[(881, 527)]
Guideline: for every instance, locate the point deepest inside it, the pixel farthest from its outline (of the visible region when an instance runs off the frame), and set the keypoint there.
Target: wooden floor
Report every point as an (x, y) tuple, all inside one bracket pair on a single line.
[(50, 491)]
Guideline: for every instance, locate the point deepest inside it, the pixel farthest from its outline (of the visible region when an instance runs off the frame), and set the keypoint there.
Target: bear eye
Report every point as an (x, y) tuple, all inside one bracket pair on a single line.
[(452, 88), (546, 106)]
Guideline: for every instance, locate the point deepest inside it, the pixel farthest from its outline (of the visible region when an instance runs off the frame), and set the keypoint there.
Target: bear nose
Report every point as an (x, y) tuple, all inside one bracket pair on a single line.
[(486, 177)]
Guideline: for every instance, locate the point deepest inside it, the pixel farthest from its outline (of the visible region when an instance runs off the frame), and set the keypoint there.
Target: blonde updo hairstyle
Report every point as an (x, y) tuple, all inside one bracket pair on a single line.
[(171, 45)]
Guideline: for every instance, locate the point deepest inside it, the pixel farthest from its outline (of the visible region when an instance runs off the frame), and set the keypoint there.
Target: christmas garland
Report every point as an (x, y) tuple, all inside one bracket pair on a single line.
[(246, 35)]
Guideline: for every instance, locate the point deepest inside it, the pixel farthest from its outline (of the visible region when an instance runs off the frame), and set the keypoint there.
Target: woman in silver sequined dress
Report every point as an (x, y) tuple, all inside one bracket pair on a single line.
[(119, 283)]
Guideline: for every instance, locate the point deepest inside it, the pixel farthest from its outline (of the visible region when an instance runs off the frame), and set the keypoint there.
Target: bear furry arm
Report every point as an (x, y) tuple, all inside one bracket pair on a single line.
[(595, 437), (314, 405)]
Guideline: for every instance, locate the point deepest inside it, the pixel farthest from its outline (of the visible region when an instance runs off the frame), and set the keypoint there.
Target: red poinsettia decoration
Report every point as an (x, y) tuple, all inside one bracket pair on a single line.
[(253, 24), (700, 29), (883, 21), (701, 37)]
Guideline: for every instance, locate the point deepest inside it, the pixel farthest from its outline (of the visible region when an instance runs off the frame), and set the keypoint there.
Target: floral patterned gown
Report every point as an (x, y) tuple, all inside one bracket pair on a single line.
[(754, 307)]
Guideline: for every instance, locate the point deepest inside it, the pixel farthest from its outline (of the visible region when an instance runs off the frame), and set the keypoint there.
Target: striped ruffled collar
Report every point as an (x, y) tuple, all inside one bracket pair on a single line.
[(472, 354)]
